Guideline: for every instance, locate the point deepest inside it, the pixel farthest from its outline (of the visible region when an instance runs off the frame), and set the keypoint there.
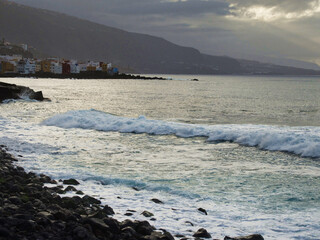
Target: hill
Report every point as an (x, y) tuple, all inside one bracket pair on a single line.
[(56, 34)]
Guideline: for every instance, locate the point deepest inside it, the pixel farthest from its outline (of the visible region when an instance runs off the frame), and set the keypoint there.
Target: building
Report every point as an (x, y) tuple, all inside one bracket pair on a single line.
[(25, 66), (74, 68), (38, 66), (8, 67), (83, 67), (56, 68), (93, 66), (24, 47), (66, 69), (45, 65)]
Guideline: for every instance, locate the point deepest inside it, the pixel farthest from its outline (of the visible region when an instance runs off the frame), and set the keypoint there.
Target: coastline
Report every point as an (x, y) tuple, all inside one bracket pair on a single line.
[(82, 75), (31, 210)]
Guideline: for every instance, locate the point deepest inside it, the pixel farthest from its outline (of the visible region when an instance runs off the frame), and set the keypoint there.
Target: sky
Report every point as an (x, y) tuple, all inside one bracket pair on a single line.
[(251, 29)]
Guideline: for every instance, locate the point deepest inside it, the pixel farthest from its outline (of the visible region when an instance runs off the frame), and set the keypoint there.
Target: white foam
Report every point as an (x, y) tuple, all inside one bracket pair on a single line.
[(303, 141)]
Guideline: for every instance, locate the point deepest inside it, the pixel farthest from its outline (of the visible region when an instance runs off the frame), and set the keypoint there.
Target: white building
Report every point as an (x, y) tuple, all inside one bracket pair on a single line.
[(26, 67), (56, 68), (83, 67), (74, 68)]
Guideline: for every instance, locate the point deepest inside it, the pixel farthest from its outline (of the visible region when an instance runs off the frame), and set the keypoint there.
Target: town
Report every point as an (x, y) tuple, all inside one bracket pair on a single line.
[(18, 64), (27, 66)]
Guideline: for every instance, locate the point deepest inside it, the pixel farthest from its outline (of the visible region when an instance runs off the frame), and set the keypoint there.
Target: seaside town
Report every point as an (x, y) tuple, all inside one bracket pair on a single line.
[(17, 64)]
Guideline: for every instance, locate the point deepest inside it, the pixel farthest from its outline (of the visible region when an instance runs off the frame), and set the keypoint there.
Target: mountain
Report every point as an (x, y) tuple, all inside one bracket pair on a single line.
[(56, 34)]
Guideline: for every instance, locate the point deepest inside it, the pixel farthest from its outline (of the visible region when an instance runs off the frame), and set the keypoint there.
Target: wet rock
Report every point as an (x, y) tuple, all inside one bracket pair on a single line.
[(203, 211), (202, 233), (128, 214), (147, 214), (190, 223), (144, 228), (156, 201), (70, 189), (250, 237), (91, 200), (108, 210), (71, 181), (79, 193)]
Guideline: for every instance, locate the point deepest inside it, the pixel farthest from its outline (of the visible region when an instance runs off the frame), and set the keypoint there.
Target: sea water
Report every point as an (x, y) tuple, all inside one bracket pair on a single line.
[(246, 149)]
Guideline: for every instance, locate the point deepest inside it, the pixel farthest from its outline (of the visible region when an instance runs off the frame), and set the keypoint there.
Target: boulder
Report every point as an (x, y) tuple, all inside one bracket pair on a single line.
[(202, 233), (250, 237)]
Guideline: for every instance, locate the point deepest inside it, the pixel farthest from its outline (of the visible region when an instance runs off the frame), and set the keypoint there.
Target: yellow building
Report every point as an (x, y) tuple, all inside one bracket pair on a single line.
[(7, 67), (91, 68), (45, 66)]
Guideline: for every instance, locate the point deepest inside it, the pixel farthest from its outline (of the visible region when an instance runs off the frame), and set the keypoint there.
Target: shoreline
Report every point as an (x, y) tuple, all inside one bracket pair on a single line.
[(82, 75), (31, 210)]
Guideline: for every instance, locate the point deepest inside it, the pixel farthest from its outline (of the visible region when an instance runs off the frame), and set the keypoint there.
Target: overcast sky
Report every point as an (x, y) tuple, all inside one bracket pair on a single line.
[(238, 28)]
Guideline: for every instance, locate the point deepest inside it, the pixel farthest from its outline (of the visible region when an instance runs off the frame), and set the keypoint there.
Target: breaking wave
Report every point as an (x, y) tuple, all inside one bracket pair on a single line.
[(303, 141)]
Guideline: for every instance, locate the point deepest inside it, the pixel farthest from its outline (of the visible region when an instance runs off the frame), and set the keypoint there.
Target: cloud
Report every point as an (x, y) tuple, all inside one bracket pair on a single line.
[(272, 10)]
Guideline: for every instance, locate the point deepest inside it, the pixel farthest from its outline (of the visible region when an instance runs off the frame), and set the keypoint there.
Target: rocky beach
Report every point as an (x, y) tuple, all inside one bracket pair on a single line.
[(35, 206), (31, 210)]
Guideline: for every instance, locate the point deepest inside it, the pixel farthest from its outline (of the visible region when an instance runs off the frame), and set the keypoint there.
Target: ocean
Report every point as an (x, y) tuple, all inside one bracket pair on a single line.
[(244, 148)]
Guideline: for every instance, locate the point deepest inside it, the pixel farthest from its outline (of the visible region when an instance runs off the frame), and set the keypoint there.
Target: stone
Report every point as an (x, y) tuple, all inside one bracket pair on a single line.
[(70, 189), (71, 181), (202, 233), (91, 200), (250, 237), (203, 211), (147, 214), (156, 201), (108, 210)]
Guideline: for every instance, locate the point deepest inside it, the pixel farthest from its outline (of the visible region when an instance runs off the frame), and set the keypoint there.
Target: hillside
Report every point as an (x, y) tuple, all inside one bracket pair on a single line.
[(56, 34)]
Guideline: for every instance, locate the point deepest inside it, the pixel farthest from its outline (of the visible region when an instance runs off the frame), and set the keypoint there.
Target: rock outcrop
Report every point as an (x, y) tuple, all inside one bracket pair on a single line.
[(12, 91)]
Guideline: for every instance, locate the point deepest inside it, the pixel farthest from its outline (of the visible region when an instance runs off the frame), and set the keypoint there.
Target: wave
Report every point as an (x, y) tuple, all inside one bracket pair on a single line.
[(303, 141)]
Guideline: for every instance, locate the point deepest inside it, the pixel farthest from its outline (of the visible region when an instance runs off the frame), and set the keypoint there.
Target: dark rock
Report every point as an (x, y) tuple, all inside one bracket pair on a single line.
[(15, 200), (128, 214), (144, 228), (70, 189), (250, 237), (4, 232), (202, 233), (79, 193), (108, 210), (188, 222), (71, 181), (147, 214), (12, 91), (156, 201), (91, 200), (113, 224), (203, 211)]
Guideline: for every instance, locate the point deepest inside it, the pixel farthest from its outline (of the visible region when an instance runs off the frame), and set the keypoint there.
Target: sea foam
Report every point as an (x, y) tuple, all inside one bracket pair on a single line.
[(303, 141)]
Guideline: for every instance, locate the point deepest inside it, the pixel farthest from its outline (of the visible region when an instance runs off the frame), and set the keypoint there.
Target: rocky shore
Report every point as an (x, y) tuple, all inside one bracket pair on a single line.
[(12, 91), (31, 210)]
